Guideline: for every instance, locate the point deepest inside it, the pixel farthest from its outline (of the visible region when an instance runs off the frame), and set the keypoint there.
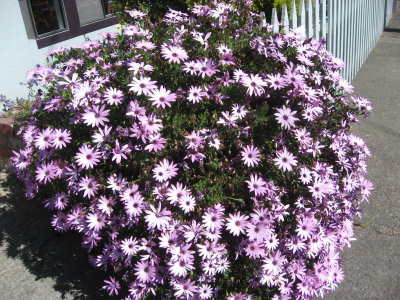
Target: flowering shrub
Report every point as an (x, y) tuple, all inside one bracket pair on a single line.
[(203, 157), (154, 9)]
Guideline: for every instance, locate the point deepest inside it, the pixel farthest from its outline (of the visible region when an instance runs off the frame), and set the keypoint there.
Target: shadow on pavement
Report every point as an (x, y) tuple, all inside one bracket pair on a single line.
[(26, 233), (387, 29)]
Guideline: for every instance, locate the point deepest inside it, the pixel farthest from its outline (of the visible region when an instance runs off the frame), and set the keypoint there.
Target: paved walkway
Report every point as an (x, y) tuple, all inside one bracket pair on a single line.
[(39, 264), (372, 264)]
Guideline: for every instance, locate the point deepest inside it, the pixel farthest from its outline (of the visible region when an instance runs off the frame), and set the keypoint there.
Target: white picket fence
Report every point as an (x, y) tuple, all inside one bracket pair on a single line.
[(351, 28)]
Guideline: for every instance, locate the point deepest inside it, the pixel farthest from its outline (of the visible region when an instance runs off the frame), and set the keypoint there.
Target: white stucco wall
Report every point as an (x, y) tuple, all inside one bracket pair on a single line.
[(18, 54)]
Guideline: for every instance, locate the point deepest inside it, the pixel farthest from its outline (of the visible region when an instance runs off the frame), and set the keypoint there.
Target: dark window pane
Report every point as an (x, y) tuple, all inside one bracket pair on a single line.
[(48, 15), (107, 4), (89, 11)]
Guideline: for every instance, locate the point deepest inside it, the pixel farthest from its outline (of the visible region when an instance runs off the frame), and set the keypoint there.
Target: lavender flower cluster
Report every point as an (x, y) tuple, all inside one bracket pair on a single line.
[(201, 157)]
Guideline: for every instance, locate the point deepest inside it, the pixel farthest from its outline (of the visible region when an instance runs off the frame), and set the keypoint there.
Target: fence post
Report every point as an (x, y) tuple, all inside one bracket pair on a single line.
[(274, 21), (309, 25), (365, 27), (263, 22), (335, 27), (285, 17), (388, 11), (351, 39), (346, 40), (302, 14), (329, 38), (373, 23), (293, 15), (323, 19), (340, 30), (385, 21), (316, 18), (369, 28)]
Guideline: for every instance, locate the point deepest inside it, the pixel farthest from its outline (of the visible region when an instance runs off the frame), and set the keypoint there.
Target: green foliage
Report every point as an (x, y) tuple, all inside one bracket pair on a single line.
[(266, 6), (19, 109), (24, 108)]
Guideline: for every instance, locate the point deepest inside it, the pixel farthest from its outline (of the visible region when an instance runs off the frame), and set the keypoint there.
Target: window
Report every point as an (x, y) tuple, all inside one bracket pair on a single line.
[(53, 21), (47, 16), (89, 11)]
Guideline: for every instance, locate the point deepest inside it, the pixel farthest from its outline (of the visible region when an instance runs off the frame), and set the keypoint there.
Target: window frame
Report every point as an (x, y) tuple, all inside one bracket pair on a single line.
[(72, 29)]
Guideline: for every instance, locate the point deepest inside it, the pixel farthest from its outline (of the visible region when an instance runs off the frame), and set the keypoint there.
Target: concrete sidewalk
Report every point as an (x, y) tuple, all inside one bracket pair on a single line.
[(372, 264), (37, 263)]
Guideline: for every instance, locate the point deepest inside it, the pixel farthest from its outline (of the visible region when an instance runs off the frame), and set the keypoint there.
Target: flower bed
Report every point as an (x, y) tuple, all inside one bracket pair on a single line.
[(201, 157)]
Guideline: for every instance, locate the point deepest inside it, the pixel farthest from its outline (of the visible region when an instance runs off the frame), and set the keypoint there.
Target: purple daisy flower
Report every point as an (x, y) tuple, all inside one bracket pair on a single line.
[(257, 185), (285, 117), (112, 286), (96, 115), (285, 160), (113, 96), (88, 157), (250, 156), (162, 97), (174, 54)]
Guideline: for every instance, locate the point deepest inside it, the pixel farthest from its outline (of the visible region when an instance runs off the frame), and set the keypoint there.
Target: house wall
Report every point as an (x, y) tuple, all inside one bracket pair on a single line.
[(18, 54)]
